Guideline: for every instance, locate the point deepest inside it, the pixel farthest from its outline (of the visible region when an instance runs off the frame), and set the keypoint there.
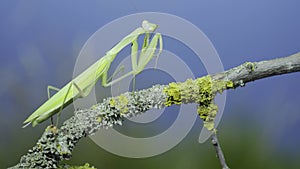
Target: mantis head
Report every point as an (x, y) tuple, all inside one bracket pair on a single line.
[(150, 27)]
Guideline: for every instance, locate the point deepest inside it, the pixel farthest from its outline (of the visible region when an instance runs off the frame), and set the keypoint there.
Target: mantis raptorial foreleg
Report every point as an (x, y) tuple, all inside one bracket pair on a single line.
[(138, 64), (149, 52), (159, 52)]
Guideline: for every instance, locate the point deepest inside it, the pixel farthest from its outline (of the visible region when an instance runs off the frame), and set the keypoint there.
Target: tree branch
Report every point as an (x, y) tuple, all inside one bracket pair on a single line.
[(251, 71), (56, 145)]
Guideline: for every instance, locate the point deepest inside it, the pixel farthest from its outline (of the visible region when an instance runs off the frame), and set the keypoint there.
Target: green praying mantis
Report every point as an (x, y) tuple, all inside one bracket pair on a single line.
[(82, 85)]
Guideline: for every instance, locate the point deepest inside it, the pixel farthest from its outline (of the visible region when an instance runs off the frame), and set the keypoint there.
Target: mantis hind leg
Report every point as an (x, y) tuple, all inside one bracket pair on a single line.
[(51, 88), (81, 93), (49, 95), (62, 105)]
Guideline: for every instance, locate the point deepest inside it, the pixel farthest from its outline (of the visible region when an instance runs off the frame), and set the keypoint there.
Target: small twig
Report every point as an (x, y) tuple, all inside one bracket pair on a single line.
[(219, 152)]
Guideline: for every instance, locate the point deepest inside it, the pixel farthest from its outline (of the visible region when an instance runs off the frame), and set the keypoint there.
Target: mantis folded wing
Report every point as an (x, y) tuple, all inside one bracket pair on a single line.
[(81, 86)]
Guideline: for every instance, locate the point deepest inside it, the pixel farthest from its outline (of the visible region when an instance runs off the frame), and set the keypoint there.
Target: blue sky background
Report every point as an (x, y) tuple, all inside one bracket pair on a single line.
[(40, 41)]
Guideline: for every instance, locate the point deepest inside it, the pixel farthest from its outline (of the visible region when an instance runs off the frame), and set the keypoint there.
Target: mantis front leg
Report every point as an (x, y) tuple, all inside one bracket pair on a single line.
[(146, 54)]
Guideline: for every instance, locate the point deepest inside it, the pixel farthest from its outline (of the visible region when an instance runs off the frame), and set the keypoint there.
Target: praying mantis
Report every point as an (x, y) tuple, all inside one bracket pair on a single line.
[(82, 85)]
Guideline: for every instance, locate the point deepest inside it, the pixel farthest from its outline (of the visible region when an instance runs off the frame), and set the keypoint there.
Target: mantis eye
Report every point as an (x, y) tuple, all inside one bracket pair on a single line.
[(148, 26), (151, 29), (145, 22)]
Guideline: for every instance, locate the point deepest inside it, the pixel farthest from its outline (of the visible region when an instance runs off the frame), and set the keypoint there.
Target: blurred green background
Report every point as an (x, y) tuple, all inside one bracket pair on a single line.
[(40, 41)]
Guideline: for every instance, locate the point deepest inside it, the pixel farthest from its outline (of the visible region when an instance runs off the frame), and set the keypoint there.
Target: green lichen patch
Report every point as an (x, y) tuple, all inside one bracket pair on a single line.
[(178, 93), (53, 129), (250, 66), (208, 113), (208, 88), (229, 84), (202, 91), (205, 90), (173, 92), (120, 103), (99, 119)]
